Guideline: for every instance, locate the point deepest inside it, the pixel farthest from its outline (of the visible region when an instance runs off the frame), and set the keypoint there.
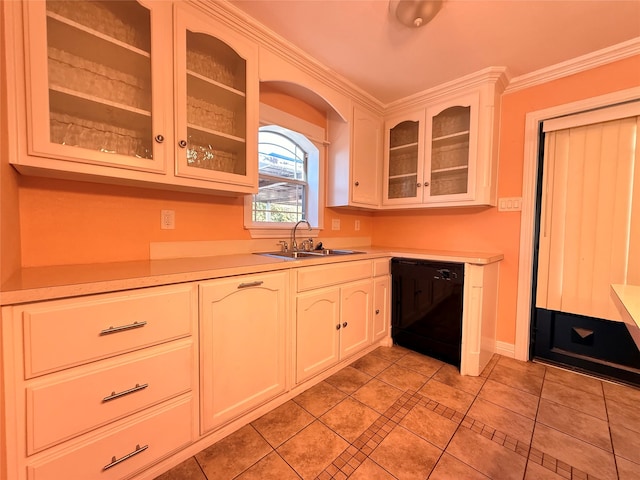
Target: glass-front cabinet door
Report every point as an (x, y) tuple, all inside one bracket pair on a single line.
[(451, 140), (404, 154), (216, 87), (95, 95)]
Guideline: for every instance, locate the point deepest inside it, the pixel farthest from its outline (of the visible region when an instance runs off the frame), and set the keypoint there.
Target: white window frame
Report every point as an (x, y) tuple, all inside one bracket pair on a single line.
[(315, 176)]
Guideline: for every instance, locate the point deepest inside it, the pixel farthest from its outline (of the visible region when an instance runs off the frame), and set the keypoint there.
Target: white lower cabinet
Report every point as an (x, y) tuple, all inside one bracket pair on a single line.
[(381, 307), (93, 384), (332, 323), (243, 335)]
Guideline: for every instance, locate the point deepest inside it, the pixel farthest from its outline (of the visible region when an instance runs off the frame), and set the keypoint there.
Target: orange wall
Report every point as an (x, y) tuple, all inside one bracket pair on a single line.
[(67, 222), (9, 215), (485, 229)]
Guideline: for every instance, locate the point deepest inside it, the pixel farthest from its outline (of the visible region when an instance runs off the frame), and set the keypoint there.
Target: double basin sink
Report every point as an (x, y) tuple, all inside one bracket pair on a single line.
[(299, 255)]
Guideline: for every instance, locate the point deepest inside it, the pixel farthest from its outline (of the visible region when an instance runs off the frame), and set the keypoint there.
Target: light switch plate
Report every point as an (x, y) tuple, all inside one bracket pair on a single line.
[(167, 219), (510, 204), (335, 224)]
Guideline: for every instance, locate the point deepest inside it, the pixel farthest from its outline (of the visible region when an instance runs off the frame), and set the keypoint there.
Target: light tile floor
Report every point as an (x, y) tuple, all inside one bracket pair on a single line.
[(396, 414)]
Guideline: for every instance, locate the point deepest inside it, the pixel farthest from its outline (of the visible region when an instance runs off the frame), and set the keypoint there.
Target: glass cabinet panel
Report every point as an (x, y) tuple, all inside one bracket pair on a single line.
[(98, 66), (216, 105), (450, 152), (403, 160)]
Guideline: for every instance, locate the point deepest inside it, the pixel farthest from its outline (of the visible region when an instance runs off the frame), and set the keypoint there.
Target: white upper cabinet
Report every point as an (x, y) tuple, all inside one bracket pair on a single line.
[(451, 144), (404, 159), (101, 79), (217, 100), (444, 153), (355, 160), (90, 82)]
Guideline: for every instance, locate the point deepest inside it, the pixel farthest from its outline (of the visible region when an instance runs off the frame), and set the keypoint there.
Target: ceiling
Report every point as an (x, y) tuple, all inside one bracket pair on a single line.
[(361, 41)]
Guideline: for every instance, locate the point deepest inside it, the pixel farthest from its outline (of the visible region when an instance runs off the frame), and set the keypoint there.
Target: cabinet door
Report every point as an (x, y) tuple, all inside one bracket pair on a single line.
[(216, 101), (404, 156), (355, 315), (366, 158), (317, 332), (242, 344), (95, 95), (381, 307), (451, 158)]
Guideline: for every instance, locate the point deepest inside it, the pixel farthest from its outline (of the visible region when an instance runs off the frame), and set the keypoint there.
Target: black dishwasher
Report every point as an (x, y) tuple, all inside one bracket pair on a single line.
[(427, 307)]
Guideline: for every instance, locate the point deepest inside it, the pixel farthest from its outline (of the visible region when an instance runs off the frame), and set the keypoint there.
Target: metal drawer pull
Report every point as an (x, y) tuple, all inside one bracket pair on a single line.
[(115, 395), (122, 328), (115, 461), (251, 284)]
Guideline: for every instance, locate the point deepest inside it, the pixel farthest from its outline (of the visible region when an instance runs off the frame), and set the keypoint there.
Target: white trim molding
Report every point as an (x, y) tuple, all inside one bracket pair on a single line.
[(527, 218), (505, 349), (575, 65)]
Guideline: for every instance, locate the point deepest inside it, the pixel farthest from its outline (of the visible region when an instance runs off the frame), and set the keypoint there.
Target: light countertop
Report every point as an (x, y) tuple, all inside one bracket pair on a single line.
[(627, 299), (44, 283)]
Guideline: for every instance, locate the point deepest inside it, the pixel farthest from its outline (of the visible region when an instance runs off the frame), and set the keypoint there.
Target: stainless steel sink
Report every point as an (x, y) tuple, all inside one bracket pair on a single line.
[(327, 252)]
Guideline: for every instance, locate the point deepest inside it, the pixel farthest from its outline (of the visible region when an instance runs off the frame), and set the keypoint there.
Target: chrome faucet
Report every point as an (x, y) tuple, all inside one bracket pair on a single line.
[(294, 243)]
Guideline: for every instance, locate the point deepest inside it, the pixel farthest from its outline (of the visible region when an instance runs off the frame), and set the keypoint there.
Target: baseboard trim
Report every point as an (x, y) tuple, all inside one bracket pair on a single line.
[(505, 349)]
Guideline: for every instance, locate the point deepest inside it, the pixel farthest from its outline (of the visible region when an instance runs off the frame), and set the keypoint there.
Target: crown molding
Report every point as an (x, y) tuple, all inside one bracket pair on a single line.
[(575, 65), (490, 75), (268, 39)]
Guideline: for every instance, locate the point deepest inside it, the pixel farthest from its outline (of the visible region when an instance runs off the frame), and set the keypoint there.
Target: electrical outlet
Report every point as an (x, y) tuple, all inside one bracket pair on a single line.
[(167, 219), (357, 225), (335, 224), (510, 204)]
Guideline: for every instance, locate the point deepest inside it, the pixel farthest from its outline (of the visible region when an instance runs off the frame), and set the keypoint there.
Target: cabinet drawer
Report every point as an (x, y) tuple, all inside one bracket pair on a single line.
[(121, 452), (381, 266), (82, 399), (333, 274), (65, 333)]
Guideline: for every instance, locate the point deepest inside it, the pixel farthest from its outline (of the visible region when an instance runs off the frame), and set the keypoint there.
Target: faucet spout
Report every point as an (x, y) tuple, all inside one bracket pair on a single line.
[(294, 243)]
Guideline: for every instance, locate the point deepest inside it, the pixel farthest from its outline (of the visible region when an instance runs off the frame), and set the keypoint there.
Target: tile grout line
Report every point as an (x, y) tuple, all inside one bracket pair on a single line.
[(354, 455)]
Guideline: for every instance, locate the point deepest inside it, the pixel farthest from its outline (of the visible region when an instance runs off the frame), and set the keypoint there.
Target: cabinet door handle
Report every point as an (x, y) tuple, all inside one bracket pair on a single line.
[(182, 143), (338, 327), (115, 461), (345, 324), (377, 311), (159, 138), (122, 328), (426, 184), (251, 284), (357, 184), (115, 395), (418, 185)]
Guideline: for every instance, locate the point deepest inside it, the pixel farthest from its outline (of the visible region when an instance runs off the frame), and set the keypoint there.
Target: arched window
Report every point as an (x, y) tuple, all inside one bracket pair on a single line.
[(291, 155), (282, 167)]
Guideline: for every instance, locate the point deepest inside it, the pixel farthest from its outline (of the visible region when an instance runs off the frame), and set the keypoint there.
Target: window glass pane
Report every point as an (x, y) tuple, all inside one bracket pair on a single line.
[(282, 179), (278, 201), (281, 157)]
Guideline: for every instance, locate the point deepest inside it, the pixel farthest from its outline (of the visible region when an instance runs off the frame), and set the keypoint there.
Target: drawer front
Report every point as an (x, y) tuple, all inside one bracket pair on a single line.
[(381, 266), (124, 451), (333, 274), (66, 333), (86, 398)]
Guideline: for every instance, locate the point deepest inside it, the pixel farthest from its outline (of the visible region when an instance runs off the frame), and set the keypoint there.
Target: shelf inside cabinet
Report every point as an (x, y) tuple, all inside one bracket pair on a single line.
[(452, 138), (215, 60), (212, 150), (450, 169), (449, 182), (408, 146), (78, 104), (404, 186), (88, 122), (92, 45), (215, 106)]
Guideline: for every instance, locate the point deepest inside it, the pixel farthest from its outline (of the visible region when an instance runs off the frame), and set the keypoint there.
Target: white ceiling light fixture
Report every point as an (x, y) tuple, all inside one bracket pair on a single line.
[(414, 13)]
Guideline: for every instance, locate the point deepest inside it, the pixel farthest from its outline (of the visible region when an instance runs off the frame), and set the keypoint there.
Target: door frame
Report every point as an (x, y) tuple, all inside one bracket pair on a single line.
[(527, 217)]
